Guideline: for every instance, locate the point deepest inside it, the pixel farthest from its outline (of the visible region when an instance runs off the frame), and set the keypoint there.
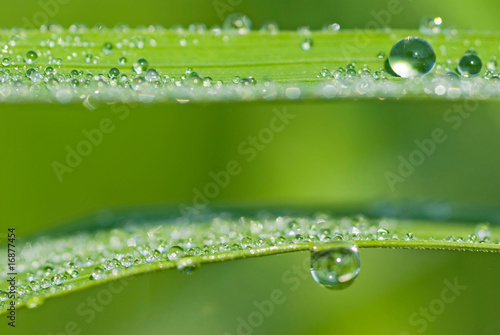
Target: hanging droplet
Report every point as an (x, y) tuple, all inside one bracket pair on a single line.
[(31, 57), (469, 65), (335, 266), (412, 56), (238, 23), (141, 65)]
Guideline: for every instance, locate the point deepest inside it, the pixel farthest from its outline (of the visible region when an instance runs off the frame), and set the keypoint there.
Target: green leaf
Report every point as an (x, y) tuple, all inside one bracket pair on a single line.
[(263, 66), (88, 257)]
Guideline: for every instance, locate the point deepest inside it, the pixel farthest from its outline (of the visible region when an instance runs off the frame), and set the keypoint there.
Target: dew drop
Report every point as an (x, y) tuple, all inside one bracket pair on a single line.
[(331, 27), (113, 72), (127, 261), (46, 283), (175, 252), (152, 75), (412, 56), (382, 233), (122, 60), (335, 266), (269, 27), (31, 57), (3, 295), (35, 285), (431, 25), (306, 44), (141, 65), (238, 23), (98, 273), (58, 279), (469, 65), (107, 48)]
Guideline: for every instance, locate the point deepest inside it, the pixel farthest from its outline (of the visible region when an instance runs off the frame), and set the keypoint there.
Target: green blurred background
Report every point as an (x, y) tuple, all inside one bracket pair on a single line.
[(333, 154)]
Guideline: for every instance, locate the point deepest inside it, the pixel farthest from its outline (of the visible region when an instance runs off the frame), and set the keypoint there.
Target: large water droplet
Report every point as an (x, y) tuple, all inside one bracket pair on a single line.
[(31, 57), (469, 65), (238, 23), (412, 56), (141, 65), (335, 266), (98, 273)]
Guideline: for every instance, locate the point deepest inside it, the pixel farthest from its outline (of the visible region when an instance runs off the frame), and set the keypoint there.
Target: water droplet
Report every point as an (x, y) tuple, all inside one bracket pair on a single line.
[(31, 57), (431, 26), (382, 233), (58, 279), (107, 48), (35, 285), (98, 273), (3, 295), (141, 65), (34, 302), (6, 61), (127, 261), (238, 23), (152, 75), (46, 283), (113, 72), (412, 56), (335, 266), (175, 252), (469, 65), (122, 60), (153, 256), (306, 44), (331, 27), (269, 27), (246, 242), (381, 55)]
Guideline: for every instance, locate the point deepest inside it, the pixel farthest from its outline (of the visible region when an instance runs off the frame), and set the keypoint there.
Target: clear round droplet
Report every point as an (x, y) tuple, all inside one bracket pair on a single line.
[(238, 23), (152, 75), (113, 72), (107, 48), (31, 57), (306, 44), (335, 266), (141, 65), (175, 252), (469, 65), (98, 273), (412, 56)]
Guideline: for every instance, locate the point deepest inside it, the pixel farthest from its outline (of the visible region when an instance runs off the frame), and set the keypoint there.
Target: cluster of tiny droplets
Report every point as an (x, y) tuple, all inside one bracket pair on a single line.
[(43, 75), (47, 265)]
